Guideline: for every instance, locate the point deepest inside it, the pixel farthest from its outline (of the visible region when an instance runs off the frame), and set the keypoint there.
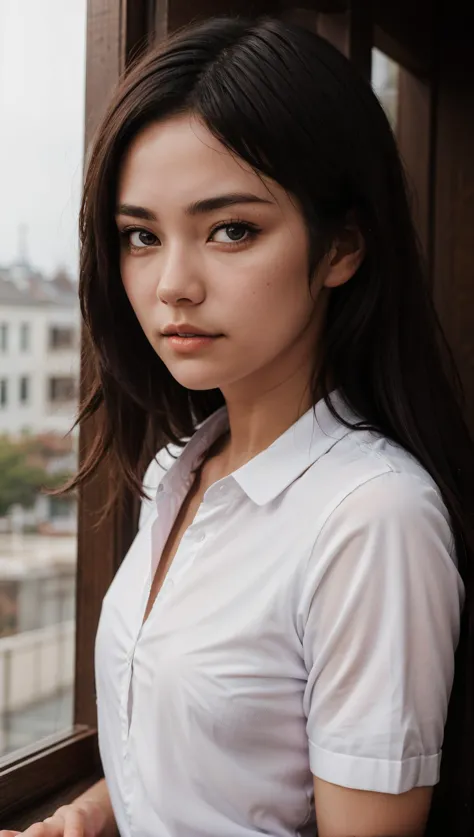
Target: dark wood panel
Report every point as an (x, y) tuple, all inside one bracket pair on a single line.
[(325, 6), (454, 193), (403, 30), (415, 140), (173, 14), (103, 57), (38, 812), (137, 28), (64, 761), (352, 33), (411, 56)]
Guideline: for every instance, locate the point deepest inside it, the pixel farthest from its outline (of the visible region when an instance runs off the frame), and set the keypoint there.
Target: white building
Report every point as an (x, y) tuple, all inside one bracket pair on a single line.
[(39, 351)]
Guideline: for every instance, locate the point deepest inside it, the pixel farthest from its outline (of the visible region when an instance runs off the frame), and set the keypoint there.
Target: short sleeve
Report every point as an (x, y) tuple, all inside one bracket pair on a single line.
[(381, 613)]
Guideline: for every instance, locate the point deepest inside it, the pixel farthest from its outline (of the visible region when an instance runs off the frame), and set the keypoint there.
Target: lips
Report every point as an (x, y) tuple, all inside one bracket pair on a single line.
[(186, 330)]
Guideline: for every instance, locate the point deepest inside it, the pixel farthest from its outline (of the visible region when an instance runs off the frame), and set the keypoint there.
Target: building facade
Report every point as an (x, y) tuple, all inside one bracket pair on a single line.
[(39, 351)]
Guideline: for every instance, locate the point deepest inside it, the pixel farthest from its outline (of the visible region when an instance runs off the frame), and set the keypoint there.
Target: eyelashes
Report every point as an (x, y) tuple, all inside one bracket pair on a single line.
[(239, 233), (126, 237), (250, 230)]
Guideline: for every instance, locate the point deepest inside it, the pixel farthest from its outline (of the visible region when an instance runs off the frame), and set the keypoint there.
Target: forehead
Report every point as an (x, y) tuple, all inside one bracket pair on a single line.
[(180, 160)]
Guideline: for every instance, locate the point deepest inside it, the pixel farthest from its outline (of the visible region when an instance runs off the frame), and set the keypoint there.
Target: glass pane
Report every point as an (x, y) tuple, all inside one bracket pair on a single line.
[(42, 86), (385, 82)]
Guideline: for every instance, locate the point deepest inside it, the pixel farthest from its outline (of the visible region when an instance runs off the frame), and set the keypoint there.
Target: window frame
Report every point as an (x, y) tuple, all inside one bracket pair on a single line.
[(69, 759)]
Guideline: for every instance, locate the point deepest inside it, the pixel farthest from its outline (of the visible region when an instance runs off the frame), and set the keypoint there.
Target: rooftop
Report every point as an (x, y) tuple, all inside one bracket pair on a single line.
[(21, 285)]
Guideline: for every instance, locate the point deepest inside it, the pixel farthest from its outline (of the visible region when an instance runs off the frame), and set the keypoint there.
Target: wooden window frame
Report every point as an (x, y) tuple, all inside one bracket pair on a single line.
[(405, 33), (58, 768)]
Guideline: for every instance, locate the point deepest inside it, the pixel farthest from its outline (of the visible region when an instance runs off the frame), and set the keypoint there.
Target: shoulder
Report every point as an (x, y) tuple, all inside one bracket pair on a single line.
[(388, 532), (372, 480), (384, 518), (391, 497), (384, 488)]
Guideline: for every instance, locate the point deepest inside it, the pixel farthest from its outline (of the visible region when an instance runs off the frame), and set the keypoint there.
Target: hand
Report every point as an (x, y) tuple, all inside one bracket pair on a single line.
[(85, 819)]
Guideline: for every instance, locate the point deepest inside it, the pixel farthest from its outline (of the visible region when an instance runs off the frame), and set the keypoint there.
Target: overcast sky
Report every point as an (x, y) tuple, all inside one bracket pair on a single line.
[(42, 84)]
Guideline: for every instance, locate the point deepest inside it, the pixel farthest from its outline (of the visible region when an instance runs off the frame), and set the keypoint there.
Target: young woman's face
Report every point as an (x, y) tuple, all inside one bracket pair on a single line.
[(209, 246)]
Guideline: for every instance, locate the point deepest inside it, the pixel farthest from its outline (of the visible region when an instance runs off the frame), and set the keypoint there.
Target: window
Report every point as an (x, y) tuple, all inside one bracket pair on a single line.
[(3, 392), (24, 389), (61, 337), (24, 337), (43, 67), (52, 58), (61, 390), (3, 337)]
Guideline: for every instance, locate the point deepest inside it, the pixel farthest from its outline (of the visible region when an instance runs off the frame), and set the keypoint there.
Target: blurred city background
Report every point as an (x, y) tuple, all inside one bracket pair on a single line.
[(42, 91)]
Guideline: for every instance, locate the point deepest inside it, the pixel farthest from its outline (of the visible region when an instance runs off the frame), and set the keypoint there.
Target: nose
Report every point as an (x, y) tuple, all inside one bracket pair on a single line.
[(180, 282)]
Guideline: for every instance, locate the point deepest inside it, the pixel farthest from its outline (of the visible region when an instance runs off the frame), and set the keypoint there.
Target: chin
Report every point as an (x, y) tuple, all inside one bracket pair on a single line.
[(196, 380)]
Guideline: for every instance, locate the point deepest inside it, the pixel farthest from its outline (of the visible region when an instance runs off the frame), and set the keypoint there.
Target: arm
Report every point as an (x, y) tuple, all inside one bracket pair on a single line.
[(343, 812), (97, 800), (380, 628)]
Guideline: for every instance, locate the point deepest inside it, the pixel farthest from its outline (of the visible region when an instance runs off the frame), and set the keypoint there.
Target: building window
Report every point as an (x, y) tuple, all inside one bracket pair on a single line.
[(24, 390), (3, 392), (61, 337), (61, 390), (3, 337), (24, 337)]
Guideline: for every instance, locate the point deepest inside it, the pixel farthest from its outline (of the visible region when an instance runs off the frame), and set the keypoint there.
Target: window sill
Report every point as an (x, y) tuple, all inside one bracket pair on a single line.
[(39, 812), (33, 776)]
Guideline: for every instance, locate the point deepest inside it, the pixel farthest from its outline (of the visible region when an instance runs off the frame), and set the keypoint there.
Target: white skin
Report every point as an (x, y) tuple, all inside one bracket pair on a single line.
[(256, 294)]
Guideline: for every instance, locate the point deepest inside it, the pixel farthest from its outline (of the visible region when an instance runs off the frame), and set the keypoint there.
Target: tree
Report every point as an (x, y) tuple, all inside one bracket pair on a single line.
[(22, 476)]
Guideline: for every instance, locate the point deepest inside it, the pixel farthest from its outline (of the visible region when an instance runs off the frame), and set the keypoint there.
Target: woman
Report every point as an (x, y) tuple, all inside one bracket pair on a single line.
[(276, 653)]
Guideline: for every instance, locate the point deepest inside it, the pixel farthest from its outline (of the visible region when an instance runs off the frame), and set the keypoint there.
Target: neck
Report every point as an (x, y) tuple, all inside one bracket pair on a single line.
[(255, 421), (261, 408)]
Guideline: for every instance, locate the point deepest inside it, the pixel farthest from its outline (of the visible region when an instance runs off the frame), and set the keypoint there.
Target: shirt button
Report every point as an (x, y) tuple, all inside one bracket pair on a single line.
[(201, 537)]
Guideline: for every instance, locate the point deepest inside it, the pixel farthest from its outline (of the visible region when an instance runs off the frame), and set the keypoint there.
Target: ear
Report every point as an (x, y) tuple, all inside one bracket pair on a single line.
[(345, 256)]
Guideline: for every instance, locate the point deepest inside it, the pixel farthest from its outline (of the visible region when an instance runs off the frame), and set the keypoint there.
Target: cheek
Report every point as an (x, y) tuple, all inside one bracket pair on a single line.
[(275, 292)]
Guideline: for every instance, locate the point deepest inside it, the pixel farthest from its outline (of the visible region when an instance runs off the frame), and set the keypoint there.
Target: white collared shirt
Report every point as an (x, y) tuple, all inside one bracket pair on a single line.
[(307, 625)]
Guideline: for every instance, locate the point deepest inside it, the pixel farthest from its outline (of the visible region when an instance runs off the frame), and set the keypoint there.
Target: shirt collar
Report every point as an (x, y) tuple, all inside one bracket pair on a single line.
[(269, 473)]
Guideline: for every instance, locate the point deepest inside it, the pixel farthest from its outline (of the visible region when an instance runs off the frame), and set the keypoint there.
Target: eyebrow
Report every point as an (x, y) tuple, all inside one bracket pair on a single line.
[(197, 208)]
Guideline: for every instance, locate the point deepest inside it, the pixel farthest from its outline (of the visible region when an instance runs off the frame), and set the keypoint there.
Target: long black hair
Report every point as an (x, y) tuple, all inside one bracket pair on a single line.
[(296, 110)]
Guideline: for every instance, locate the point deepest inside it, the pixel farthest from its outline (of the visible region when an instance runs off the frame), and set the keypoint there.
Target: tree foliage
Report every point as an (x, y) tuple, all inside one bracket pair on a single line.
[(23, 473)]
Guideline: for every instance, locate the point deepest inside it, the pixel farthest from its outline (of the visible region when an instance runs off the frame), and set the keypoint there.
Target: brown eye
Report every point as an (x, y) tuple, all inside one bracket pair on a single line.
[(139, 239), (233, 233)]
